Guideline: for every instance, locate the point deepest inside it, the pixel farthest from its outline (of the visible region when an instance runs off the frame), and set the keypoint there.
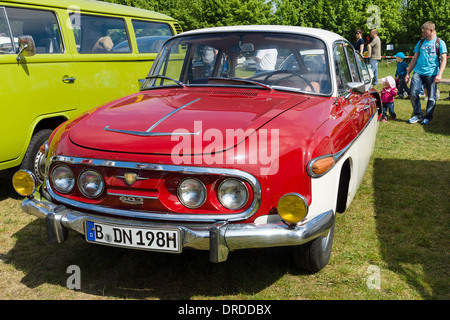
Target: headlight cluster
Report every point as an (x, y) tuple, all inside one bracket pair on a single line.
[(232, 193), (90, 182)]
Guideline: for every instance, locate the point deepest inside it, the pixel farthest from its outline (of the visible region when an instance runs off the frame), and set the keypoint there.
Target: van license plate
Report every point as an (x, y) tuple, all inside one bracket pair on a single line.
[(154, 239)]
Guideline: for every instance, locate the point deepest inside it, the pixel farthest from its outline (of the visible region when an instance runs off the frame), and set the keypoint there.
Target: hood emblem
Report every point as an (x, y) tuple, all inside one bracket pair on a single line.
[(130, 178)]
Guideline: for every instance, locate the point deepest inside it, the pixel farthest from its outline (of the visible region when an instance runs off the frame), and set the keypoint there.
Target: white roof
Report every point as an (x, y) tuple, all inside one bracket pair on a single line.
[(325, 35)]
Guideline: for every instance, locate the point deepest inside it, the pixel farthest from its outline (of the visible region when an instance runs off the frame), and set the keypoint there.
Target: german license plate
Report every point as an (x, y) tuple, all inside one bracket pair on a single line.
[(154, 239)]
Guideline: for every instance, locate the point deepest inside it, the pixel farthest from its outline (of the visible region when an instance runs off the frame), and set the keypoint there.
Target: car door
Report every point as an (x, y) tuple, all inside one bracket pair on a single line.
[(32, 87), (361, 98), (362, 108), (343, 108)]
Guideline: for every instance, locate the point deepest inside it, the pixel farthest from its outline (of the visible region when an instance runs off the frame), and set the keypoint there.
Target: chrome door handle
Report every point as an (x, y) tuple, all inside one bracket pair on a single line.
[(68, 80)]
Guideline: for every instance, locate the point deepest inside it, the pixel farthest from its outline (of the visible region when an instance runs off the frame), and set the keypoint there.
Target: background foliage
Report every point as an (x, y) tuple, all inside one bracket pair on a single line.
[(399, 22)]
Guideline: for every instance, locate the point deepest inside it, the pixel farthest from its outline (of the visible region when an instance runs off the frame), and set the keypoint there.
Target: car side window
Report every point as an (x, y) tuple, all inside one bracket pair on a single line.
[(40, 24), (352, 63), (362, 68), (150, 36), (98, 34), (342, 70)]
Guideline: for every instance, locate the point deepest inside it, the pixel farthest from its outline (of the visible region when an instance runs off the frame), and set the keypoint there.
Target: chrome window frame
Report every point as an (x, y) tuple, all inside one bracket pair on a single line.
[(327, 51)]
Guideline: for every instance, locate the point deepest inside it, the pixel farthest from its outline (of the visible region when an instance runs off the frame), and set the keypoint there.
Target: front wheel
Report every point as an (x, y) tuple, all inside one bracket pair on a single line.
[(34, 160), (314, 255)]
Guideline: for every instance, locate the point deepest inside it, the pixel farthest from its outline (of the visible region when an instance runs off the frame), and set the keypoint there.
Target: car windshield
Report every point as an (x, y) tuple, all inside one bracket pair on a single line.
[(259, 59)]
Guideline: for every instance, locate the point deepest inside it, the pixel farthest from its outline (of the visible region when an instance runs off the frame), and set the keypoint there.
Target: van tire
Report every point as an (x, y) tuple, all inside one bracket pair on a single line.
[(313, 256), (33, 155)]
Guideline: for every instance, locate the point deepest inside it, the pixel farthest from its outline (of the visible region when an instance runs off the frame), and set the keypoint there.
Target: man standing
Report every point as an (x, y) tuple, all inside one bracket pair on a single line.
[(428, 63), (374, 48), (266, 59)]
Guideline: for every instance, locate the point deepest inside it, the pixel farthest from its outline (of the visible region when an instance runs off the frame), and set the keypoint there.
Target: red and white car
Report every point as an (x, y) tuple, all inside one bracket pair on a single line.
[(214, 157)]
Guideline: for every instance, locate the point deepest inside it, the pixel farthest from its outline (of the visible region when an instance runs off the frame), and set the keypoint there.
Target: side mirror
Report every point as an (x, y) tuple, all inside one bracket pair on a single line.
[(27, 48), (357, 87)]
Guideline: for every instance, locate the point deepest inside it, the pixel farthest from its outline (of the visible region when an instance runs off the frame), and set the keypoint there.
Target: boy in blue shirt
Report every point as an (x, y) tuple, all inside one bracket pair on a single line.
[(400, 75), (428, 63)]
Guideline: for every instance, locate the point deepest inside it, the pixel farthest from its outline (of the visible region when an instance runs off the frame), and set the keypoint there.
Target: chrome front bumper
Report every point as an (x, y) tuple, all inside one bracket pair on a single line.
[(219, 238)]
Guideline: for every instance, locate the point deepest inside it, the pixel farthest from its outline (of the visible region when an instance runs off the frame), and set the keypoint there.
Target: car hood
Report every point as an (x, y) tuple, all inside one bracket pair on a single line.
[(155, 121)]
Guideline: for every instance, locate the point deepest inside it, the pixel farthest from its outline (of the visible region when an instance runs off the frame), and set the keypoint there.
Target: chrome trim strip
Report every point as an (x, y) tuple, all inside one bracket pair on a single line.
[(148, 132), (209, 217), (153, 134), (171, 114)]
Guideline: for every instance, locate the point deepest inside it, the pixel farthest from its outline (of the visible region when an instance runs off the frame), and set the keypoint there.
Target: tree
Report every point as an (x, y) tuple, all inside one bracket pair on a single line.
[(194, 14), (397, 21), (417, 13), (343, 16)]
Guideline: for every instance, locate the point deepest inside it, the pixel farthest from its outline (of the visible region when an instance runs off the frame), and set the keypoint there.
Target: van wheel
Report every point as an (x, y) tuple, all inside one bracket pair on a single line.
[(33, 157), (314, 255)]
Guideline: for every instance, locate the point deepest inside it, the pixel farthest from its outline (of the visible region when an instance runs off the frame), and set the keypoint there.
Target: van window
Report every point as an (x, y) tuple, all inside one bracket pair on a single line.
[(41, 25), (150, 36), (6, 45), (96, 34)]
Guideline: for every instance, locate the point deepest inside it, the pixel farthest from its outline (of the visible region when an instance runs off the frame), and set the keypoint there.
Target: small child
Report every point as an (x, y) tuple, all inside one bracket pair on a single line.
[(387, 97), (400, 73)]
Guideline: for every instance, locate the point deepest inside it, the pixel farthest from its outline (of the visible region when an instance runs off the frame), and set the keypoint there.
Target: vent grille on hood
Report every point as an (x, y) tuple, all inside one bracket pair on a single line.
[(222, 92)]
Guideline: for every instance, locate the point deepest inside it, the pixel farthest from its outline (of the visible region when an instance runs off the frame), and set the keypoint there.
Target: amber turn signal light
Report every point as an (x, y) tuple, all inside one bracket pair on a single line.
[(44, 148), (320, 166)]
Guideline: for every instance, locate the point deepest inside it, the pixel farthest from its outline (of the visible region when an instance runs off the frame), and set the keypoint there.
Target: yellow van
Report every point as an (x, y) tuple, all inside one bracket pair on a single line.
[(59, 58)]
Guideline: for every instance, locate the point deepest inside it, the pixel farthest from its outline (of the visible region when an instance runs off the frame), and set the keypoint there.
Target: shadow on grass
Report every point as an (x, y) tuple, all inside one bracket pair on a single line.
[(441, 117), (6, 186), (133, 274), (412, 220)]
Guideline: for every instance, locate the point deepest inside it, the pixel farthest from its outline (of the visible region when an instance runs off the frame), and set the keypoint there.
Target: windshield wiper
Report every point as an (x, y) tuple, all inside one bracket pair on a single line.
[(158, 76), (243, 80)]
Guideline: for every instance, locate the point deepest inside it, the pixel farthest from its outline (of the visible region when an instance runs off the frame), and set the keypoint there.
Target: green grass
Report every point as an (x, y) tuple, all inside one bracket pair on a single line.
[(398, 223)]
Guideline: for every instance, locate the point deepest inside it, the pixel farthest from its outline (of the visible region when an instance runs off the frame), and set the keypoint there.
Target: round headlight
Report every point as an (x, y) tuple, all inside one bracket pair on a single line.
[(91, 183), (192, 193), (62, 178), (24, 182), (292, 208), (232, 194)]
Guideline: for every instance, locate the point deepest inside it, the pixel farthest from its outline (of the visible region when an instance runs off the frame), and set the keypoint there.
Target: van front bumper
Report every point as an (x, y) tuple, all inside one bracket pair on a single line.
[(219, 238)]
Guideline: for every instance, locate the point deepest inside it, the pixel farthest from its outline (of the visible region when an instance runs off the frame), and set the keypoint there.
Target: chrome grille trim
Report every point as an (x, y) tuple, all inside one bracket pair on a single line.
[(211, 217)]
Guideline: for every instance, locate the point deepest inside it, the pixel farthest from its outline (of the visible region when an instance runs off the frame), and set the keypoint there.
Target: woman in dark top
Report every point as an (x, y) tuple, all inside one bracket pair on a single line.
[(359, 44)]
